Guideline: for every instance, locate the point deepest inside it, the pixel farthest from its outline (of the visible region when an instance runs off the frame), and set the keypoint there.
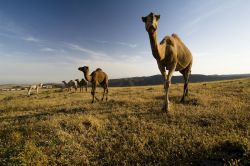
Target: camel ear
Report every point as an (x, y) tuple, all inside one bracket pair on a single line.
[(144, 19), (157, 17)]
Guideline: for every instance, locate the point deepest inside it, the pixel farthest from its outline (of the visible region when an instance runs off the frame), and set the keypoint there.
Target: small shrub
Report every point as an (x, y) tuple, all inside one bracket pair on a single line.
[(230, 151)]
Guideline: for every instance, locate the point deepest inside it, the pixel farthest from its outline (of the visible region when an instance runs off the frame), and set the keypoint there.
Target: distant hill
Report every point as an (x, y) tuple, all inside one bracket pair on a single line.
[(157, 79), (148, 80)]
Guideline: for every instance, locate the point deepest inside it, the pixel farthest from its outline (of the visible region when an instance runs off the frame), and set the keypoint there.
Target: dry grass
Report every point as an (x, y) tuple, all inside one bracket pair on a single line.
[(62, 128)]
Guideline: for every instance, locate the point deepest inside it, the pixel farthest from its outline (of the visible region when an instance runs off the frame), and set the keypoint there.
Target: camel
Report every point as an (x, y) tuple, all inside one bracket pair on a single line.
[(171, 54), (81, 84), (34, 87), (96, 77), (69, 85)]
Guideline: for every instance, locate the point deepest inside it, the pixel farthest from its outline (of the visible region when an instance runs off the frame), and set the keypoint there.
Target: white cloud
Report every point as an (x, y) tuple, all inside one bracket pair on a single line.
[(126, 44), (31, 39), (9, 29), (117, 43), (47, 49), (212, 63), (91, 53), (194, 23)]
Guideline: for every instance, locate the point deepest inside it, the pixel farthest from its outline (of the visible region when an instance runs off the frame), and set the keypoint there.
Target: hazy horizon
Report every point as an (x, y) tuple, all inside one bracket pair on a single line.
[(46, 41)]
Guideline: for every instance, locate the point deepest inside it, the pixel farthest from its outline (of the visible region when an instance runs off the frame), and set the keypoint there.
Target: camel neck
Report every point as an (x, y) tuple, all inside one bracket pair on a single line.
[(87, 76), (154, 45)]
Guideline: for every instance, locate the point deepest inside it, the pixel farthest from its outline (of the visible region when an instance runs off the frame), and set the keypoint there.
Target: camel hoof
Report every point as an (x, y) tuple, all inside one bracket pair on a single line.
[(165, 108), (182, 101)]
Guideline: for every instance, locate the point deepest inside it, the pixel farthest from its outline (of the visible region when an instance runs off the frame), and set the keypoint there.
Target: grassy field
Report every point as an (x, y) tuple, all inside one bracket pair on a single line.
[(63, 128)]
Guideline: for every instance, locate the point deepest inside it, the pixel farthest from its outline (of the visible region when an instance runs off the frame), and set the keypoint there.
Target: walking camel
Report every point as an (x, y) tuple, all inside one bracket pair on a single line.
[(171, 54), (97, 77), (34, 87), (81, 84)]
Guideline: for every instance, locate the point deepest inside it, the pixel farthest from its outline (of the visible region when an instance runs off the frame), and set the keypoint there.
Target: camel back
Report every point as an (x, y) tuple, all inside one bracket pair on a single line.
[(184, 55), (100, 76), (98, 69)]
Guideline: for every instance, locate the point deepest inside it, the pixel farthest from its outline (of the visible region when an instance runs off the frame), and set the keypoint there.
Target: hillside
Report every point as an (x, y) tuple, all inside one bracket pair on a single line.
[(157, 79), (63, 128)]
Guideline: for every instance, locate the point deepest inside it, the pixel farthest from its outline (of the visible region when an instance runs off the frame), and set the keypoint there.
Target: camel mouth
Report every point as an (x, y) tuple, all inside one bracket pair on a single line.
[(151, 29)]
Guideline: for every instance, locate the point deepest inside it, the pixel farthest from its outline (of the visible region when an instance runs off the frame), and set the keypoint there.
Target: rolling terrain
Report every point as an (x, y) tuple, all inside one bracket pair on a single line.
[(58, 127)]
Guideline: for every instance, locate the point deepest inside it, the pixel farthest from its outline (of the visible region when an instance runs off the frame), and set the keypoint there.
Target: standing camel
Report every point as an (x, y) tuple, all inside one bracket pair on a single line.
[(81, 84), (96, 77), (70, 84), (171, 54)]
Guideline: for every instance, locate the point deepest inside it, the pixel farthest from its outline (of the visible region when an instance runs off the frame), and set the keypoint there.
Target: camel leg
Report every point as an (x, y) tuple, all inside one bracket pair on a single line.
[(104, 90), (185, 90), (86, 88), (165, 107), (37, 90), (167, 83), (107, 91), (186, 74), (167, 86), (29, 91), (93, 92), (163, 73)]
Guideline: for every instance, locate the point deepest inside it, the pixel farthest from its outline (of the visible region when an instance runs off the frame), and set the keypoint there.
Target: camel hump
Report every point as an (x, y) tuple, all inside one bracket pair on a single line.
[(98, 69), (174, 35), (169, 40)]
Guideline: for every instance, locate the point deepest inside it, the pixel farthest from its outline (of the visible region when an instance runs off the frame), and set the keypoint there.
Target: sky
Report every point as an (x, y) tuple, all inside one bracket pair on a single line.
[(47, 40)]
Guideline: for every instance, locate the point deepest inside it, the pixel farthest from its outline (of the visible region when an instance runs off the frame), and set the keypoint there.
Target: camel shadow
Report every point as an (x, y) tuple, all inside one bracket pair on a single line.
[(174, 99), (177, 100)]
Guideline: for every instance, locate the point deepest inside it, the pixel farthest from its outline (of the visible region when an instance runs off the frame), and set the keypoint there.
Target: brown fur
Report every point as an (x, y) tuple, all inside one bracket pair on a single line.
[(171, 54), (97, 77)]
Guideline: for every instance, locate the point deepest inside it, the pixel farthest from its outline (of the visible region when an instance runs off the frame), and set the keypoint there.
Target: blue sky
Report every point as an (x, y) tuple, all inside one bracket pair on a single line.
[(47, 40)]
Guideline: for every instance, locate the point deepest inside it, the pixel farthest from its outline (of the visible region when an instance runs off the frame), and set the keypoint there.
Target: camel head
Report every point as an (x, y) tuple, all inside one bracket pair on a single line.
[(76, 79), (151, 22), (84, 69)]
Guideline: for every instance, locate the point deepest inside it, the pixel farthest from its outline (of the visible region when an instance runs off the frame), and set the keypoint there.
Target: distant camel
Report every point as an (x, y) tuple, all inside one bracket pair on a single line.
[(82, 84), (34, 87), (96, 77), (171, 54), (69, 85)]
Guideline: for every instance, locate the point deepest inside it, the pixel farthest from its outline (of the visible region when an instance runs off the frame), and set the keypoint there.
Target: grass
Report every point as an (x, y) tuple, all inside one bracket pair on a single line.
[(64, 128)]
